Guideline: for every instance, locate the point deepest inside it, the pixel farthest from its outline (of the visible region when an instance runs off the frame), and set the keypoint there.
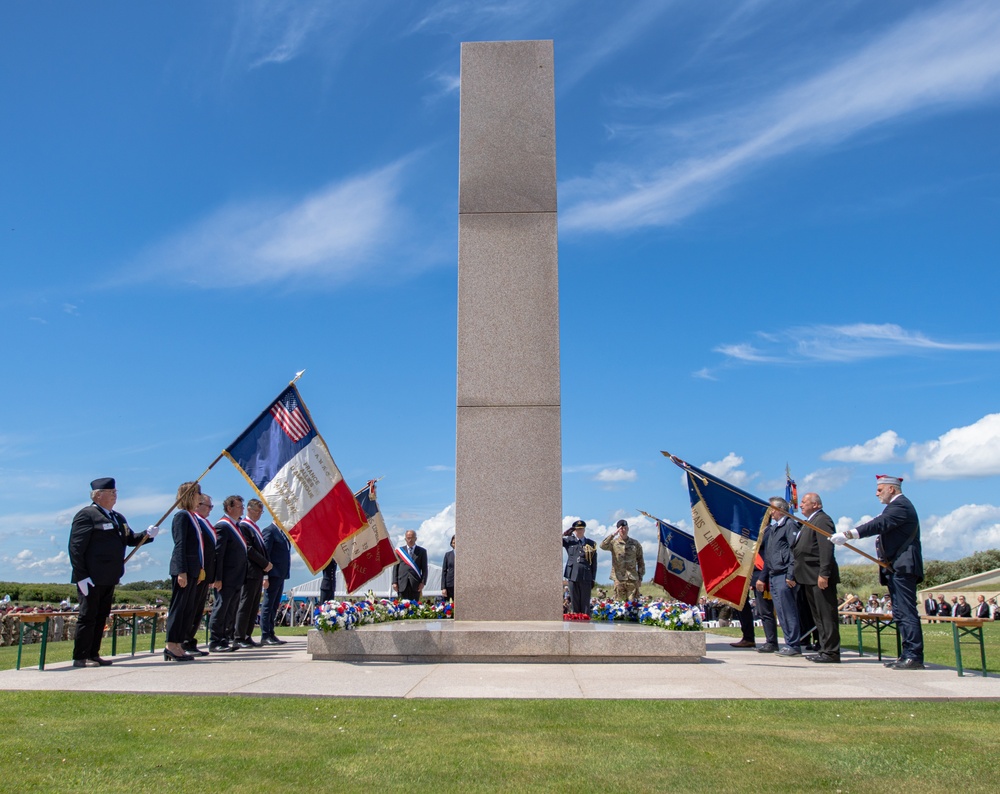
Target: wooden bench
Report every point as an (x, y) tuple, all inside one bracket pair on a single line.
[(877, 621), (963, 627), (131, 617), (135, 619)]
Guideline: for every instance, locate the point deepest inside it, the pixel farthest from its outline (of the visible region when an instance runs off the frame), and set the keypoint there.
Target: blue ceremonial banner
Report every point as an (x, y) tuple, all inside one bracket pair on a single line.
[(727, 527), (677, 569)]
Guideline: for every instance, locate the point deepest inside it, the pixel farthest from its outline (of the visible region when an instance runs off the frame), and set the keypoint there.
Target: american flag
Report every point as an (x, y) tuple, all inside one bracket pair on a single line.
[(289, 417)]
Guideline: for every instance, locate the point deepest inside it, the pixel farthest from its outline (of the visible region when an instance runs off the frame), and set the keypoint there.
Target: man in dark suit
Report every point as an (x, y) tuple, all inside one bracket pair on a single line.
[(448, 572), (817, 573), (279, 552), (581, 566), (982, 608), (230, 572), (944, 608), (97, 542), (930, 606), (201, 511), (409, 575), (257, 566), (898, 545)]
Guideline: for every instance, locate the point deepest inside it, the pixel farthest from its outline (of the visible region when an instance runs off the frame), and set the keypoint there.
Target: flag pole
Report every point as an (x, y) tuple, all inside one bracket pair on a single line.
[(681, 464), (177, 501)]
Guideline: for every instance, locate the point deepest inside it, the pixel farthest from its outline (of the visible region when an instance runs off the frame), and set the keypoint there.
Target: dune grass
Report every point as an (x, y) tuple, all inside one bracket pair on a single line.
[(117, 743)]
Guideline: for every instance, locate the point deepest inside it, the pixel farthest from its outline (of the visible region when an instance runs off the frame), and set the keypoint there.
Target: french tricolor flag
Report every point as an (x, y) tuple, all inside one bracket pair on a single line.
[(289, 465), (368, 552), (677, 569), (727, 526)]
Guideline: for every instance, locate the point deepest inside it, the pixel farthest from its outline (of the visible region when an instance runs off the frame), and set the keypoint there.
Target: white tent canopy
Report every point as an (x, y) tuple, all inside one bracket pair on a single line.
[(381, 585)]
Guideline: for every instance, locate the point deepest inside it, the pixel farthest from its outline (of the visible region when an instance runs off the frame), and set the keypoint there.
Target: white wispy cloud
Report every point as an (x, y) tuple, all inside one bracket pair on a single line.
[(824, 480), (329, 236), (970, 451), (961, 532), (278, 31), (44, 568), (728, 469), (880, 449), (842, 344), (616, 475), (434, 534), (935, 60)]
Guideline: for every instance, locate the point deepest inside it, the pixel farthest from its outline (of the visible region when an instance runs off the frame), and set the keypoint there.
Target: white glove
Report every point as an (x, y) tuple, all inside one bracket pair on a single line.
[(840, 538), (152, 531), (85, 584)]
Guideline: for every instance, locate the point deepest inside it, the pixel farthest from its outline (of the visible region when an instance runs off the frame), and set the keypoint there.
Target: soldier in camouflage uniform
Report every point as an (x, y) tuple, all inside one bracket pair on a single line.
[(627, 566)]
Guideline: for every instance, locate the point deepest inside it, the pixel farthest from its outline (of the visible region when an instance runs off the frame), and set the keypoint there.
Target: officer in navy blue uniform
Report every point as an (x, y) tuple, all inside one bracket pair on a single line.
[(898, 545), (581, 566), (97, 542)]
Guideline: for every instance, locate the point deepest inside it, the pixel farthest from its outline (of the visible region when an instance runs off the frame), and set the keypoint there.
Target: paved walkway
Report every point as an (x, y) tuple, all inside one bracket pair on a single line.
[(725, 672)]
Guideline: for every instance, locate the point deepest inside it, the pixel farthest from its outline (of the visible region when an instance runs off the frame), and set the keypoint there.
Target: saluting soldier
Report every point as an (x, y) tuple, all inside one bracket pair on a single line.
[(627, 565), (581, 566)]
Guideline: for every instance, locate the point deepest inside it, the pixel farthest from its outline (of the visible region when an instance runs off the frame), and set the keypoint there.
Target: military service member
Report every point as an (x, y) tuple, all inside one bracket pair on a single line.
[(627, 566)]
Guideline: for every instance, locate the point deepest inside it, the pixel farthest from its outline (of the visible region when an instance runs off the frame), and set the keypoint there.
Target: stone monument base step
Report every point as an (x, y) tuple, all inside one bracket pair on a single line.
[(507, 641)]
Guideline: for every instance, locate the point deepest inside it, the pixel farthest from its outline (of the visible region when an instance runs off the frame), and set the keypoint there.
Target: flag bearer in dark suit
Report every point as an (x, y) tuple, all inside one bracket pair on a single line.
[(97, 542), (898, 544), (230, 572), (201, 511), (257, 566), (817, 573), (581, 566), (279, 552), (410, 572)]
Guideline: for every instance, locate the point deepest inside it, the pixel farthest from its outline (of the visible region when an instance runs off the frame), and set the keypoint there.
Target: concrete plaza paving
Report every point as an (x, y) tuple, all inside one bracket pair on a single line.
[(723, 673)]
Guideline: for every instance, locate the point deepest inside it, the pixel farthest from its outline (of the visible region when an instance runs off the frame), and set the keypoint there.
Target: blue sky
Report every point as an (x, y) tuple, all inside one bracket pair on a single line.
[(778, 244)]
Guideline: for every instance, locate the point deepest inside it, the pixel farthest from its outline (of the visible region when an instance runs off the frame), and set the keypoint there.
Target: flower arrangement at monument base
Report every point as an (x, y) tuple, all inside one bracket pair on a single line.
[(670, 615), (571, 616), (336, 615)]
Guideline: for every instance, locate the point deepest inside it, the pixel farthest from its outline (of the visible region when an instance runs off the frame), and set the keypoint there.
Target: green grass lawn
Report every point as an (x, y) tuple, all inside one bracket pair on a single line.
[(124, 743), (54, 741)]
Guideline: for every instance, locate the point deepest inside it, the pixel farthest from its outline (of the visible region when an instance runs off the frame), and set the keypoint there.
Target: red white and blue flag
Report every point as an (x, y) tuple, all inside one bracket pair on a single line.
[(290, 467), (727, 527), (365, 554), (677, 569)]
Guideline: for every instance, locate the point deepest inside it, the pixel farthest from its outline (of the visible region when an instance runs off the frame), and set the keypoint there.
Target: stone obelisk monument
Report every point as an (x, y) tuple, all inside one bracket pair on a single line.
[(508, 513), (508, 510)]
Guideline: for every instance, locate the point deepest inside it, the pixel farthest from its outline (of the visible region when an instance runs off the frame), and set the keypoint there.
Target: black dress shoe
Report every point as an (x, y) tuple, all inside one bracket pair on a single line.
[(214, 647), (249, 642), (85, 663), (195, 651), (824, 658), (908, 664), (892, 663), (276, 641), (767, 648), (101, 662)]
